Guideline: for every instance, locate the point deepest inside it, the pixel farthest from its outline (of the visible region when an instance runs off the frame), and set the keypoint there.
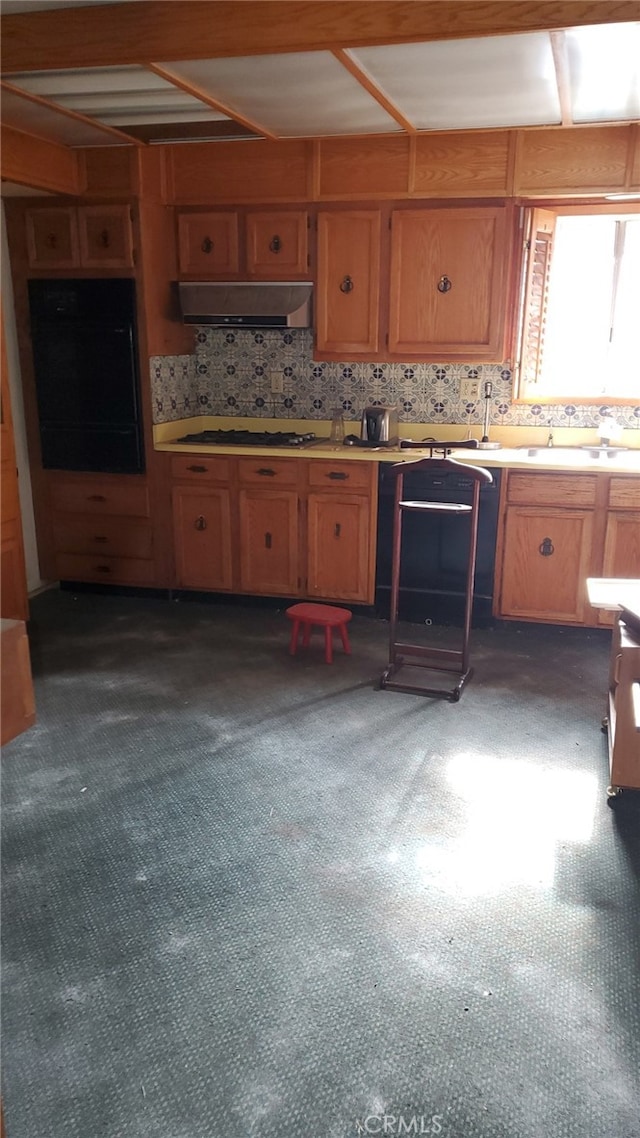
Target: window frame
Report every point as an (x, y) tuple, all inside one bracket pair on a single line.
[(521, 324)]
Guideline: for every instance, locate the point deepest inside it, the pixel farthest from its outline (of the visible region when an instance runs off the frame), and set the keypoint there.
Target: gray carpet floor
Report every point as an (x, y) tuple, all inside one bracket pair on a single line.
[(248, 894)]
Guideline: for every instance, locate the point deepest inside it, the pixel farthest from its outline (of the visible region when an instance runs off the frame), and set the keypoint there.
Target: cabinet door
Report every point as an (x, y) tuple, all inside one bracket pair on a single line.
[(621, 551), (202, 533), (546, 563), (347, 294), (339, 561), (208, 245), (448, 282), (269, 541), (277, 245), (106, 239), (52, 238)]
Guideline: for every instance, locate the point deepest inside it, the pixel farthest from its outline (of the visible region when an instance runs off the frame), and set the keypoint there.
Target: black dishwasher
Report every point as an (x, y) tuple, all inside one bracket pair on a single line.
[(433, 565)]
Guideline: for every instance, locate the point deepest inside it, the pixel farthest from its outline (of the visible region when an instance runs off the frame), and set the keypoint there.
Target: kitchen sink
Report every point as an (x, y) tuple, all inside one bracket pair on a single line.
[(569, 453)]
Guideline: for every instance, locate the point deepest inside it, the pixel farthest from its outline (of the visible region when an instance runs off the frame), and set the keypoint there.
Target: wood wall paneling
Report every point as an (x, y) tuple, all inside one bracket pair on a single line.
[(109, 171), (232, 172), (468, 164), (363, 168), (585, 159)]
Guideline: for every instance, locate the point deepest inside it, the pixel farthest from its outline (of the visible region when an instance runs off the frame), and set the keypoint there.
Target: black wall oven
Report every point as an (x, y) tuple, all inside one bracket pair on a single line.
[(433, 566), (85, 357)]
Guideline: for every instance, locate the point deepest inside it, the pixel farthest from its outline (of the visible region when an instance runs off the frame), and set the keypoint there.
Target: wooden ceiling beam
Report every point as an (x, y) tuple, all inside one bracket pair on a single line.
[(35, 162), (166, 31)]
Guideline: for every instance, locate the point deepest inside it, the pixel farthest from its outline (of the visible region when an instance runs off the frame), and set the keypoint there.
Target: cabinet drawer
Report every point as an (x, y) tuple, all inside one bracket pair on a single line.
[(200, 468), (334, 475), (624, 492), (267, 471), (93, 535), (120, 570), (552, 489), (131, 499)]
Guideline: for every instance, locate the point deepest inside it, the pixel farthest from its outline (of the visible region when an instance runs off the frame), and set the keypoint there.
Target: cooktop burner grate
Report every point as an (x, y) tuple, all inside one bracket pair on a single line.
[(249, 438)]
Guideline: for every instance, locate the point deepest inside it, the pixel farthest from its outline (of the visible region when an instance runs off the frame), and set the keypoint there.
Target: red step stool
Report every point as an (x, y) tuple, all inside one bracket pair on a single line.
[(328, 617)]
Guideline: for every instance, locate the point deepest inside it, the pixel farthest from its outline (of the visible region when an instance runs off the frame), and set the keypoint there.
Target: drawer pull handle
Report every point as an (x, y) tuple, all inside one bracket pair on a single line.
[(103, 568), (105, 239), (52, 241), (337, 530), (200, 522), (546, 547), (197, 469), (207, 245), (337, 475), (99, 538), (96, 498), (444, 284), (346, 284), (266, 472), (267, 541), (275, 244)]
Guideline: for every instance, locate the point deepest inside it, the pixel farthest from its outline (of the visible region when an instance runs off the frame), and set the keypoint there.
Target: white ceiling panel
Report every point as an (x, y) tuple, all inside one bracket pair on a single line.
[(461, 84), (117, 95), (604, 71), (297, 95), (32, 118)]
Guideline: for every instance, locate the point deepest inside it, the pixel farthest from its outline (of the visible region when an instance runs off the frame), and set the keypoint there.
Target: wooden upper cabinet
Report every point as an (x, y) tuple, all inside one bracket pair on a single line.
[(208, 245), (71, 237), (277, 244), (448, 283), (52, 238), (106, 238), (348, 282)]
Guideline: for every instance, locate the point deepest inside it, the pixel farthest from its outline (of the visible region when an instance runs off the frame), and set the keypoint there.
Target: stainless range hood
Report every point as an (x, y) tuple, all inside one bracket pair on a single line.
[(246, 304)]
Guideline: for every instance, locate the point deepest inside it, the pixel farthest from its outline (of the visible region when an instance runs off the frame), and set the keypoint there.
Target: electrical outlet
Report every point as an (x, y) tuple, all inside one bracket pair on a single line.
[(469, 390), (277, 383)]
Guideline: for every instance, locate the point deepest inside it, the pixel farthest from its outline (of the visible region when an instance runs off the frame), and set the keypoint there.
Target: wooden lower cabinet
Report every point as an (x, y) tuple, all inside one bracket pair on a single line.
[(202, 532), (546, 563), (338, 547), (269, 531), (558, 530), (101, 528), (270, 526)]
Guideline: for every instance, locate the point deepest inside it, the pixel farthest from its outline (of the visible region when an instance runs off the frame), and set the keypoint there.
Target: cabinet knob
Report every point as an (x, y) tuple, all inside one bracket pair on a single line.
[(99, 539), (275, 244), (96, 498), (105, 239), (207, 245), (546, 547), (346, 284), (102, 568), (200, 522), (337, 531), (444, 284), (268, 541), (52, 240), (266, 472)]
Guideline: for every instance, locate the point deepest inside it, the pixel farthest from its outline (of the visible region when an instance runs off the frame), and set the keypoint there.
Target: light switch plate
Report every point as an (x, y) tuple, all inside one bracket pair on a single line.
[(277, 383), (469, 390)]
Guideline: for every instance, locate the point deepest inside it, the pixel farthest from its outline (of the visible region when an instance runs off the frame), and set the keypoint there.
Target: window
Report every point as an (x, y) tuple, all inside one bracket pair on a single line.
[(579, 331)]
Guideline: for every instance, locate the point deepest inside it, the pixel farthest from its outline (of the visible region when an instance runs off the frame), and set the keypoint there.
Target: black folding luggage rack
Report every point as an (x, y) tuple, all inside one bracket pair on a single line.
[(401, 653)]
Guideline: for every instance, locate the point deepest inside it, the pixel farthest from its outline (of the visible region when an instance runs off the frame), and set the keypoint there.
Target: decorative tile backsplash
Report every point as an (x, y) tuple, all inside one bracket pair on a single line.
[(230, 374)]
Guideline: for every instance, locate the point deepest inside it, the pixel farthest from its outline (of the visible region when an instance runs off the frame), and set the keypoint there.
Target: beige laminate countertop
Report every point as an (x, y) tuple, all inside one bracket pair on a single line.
[(558, 459), (578, 457)]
